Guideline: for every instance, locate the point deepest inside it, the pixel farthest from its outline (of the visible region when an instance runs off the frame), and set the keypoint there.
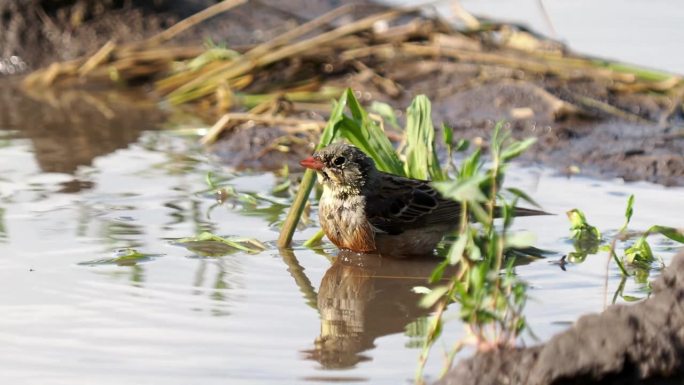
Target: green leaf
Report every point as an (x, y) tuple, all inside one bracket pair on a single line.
[(210, 180), (629, 211), (438, 272), (236, 243), (523, 195), (640, 253), (315, 239), (386, 111), (582, 231), (467, 190), (421, 157), (456, 250), (448, 135), (431, 298), (516, 149), (670, 232), (471, 165), (367, 135), (619, 263), (520, 240)]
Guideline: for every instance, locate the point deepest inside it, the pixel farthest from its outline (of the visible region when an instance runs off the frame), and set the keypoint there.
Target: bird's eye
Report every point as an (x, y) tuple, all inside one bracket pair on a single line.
[(339, 161)]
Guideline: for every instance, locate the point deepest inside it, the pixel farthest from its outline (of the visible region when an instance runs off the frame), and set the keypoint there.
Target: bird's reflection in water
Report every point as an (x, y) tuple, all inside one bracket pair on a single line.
[(363, 297)]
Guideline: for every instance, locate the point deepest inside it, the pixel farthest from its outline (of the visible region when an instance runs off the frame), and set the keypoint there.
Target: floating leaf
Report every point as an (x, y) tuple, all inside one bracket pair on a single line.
[(248, 245), (123, 257)]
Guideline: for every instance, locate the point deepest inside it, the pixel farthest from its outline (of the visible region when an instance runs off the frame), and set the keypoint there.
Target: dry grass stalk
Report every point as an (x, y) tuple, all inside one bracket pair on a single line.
[(258, 57), (368, 46), (191, 21)]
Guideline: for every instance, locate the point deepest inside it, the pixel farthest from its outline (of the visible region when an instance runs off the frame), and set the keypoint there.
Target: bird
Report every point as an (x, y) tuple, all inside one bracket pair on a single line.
[(365, 210)]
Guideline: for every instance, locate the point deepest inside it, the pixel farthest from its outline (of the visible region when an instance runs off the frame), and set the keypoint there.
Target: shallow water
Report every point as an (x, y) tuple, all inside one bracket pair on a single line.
[(75, 312)]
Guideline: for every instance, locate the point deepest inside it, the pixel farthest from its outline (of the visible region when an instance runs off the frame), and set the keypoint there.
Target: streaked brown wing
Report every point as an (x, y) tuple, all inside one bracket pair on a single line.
[(400, 204)]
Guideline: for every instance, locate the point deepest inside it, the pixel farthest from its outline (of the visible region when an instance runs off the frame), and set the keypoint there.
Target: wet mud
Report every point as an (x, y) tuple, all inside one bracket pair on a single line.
[(625, 344)]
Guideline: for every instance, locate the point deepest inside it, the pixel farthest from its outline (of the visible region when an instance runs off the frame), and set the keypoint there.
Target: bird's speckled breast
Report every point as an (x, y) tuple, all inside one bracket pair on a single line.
[(344, 222)]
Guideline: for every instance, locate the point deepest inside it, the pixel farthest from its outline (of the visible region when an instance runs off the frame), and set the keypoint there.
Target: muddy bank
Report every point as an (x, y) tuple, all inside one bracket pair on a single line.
[(626, 344), (40, 32), (587, 116)]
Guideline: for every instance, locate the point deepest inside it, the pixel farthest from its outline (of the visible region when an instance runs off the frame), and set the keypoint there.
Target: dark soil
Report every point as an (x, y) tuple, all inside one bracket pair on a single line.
[(626, 344), (647, 144), (40, 32)]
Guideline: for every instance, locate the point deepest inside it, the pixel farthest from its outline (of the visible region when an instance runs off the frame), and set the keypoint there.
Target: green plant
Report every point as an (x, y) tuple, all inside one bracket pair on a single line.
[(637, 259), (491, 303)]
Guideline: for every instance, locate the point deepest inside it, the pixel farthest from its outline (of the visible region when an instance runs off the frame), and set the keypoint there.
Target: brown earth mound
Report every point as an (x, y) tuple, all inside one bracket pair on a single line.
[(626, 344)]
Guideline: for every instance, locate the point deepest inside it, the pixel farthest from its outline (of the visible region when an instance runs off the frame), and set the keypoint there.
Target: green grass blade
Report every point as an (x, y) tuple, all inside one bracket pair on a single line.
[(421, 157)]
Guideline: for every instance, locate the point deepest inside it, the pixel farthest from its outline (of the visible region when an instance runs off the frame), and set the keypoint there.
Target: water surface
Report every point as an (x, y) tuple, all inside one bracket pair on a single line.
[(74, 200)]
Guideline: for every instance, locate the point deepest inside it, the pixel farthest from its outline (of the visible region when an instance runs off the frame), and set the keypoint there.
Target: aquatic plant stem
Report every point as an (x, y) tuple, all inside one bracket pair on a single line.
[(290, 224)]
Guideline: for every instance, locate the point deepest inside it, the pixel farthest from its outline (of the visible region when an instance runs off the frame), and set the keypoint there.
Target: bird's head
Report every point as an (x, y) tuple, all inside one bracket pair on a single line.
[(341, 167)]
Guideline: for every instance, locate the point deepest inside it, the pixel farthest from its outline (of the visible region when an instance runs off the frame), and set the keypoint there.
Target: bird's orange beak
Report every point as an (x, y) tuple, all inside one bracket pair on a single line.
[(312, 163)]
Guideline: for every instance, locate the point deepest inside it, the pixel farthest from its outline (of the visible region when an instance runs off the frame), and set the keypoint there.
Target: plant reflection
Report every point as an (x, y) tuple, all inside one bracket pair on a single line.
[(69, 128)]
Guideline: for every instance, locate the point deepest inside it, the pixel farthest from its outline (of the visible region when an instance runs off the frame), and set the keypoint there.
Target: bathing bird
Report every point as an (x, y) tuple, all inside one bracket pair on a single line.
[(365, 210)]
